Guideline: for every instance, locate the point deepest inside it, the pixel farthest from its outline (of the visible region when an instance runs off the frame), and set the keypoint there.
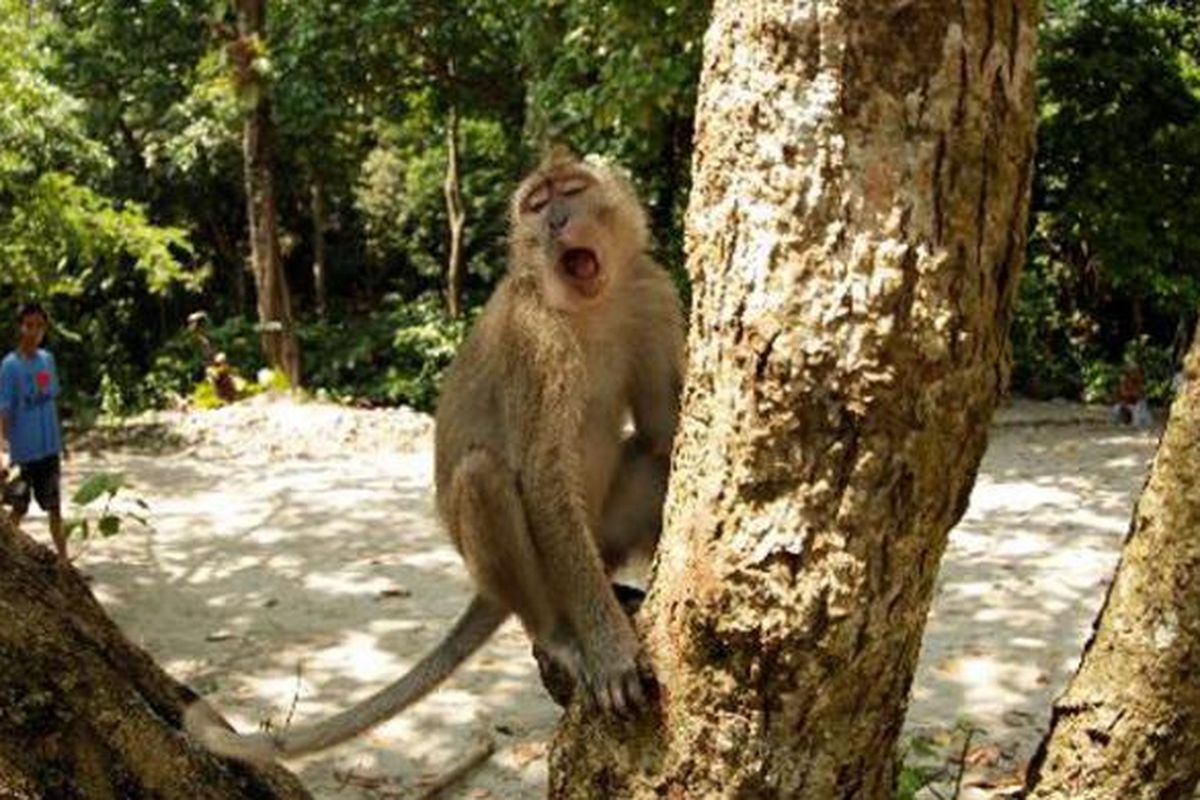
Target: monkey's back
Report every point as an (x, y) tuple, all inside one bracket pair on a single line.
[(468, 408)]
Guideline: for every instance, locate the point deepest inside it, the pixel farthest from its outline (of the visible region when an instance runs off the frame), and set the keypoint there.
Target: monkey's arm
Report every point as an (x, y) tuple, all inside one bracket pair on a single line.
[(658, 371), (543, 418), (543, 414)]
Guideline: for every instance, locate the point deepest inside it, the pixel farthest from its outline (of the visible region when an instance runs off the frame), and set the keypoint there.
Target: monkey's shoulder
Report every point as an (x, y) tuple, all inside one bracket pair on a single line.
[(517, 339)]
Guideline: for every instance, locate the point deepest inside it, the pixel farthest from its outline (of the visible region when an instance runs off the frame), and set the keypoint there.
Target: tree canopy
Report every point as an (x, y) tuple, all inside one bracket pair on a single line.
[(124, 206)]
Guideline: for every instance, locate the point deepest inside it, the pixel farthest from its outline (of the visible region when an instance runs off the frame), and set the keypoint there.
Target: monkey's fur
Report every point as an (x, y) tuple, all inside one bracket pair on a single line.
[(538, 484)]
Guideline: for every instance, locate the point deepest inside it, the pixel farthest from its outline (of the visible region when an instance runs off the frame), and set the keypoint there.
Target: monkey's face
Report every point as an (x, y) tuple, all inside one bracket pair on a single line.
[(579, 228)]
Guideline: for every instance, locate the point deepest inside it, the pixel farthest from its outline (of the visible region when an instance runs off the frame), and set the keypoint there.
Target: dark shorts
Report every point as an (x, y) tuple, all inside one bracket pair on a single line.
[(40, 478)]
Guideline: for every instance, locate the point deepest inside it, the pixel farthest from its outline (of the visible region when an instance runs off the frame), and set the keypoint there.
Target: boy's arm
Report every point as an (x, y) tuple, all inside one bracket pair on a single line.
[(4, 426), (54, 385), (7, 398)]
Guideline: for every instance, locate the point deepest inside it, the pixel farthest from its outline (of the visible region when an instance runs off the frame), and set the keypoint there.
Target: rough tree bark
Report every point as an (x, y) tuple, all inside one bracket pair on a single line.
[(83, 713), (855, 232), (1128, 725), (456, 212), (278, 334)]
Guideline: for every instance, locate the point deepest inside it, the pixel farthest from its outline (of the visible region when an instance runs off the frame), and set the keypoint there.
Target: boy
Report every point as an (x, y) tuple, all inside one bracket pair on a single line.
[(29, 422)]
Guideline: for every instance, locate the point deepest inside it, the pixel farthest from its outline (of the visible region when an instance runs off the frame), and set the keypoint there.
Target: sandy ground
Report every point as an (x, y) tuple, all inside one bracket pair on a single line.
[(294, 559)]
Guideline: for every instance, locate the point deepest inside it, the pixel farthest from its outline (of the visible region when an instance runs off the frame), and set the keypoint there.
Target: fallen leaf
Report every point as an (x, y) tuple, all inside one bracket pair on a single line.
[(527, 752), (983, 755)]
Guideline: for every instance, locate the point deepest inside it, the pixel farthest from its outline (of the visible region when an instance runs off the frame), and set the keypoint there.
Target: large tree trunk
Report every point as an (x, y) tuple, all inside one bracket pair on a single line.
[(278, 335), (855, 232), (457, 215), (85, 714), (1128, 726)]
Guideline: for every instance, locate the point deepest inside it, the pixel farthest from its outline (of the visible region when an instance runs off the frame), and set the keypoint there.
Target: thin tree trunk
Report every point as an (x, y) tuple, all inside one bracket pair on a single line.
[(320, 266), (85, 714), (239, 288), (457, 215), (855, 232), (1128, 725), (278, 334)]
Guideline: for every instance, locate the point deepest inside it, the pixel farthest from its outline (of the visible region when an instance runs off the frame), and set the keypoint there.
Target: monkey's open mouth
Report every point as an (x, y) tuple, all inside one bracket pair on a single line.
[(581, 265)]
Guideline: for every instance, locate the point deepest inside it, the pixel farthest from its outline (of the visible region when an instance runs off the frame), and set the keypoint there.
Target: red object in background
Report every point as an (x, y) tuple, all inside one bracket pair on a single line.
[(43, 380)]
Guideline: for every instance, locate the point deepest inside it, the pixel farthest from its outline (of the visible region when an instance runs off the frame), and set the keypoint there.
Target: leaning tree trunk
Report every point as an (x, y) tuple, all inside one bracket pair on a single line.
[(85, 714), (855, 232), (1128, 726), (278, 334), (456, 213)]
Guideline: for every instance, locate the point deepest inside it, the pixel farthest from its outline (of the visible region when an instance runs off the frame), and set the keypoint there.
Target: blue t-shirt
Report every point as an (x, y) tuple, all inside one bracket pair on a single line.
[(28, 387)]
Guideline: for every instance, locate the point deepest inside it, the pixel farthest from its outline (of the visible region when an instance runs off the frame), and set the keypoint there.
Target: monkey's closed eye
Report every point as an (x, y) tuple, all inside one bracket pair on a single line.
[(537, 199), (573, 188)]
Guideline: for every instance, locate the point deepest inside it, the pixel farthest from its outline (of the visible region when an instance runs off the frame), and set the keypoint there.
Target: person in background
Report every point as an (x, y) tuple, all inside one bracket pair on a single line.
[(29, 423), (1131, 407)]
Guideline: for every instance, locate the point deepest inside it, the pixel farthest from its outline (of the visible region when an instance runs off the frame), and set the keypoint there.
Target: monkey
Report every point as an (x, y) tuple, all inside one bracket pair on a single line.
[(539, 481)]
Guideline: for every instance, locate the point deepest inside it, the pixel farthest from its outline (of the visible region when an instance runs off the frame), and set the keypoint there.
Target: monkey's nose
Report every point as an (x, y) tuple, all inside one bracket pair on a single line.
[(557, 218)]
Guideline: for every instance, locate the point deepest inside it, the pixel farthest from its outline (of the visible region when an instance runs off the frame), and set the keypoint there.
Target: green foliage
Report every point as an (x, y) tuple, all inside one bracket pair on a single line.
[(400, 196), (391, 357), (178, 369), (1052, 338), (95, 258), (122, 183), (204, 397), (103, 486), (918, 767), (1158, 364), (58, 235), (1115, 250), (395, 355), (619, 79)]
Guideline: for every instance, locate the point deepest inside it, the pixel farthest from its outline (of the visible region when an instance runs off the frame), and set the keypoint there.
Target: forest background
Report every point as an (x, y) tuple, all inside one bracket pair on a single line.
[(398, 131)]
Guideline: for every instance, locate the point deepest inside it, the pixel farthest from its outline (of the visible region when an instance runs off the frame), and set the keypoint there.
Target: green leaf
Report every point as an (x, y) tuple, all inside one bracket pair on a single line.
[(102, 483), (73, 525), (109, 525)]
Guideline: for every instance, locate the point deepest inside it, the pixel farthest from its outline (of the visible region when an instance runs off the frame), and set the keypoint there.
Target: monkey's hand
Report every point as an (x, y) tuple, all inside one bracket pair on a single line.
[(561, 679), (612, 666)]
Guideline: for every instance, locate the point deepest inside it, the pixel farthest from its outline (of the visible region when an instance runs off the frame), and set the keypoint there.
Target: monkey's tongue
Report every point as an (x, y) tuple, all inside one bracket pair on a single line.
[(580, 264)]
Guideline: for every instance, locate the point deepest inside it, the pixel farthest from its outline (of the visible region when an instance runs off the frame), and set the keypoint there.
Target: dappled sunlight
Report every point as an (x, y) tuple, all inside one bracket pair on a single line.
[(1024, 575), (268, 583), (334, 583), (1017, 496), (273, 583)]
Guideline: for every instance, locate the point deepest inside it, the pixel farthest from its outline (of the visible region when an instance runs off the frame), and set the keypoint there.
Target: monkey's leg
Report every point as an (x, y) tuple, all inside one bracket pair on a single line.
[(493, 535), (633, 509)]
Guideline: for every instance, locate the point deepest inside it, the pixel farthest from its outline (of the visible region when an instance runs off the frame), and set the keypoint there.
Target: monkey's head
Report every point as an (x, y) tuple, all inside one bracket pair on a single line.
[(578, 225)]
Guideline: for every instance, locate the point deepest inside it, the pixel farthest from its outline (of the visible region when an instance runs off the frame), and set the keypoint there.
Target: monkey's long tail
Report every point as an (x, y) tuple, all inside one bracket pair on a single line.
[(474, 627)]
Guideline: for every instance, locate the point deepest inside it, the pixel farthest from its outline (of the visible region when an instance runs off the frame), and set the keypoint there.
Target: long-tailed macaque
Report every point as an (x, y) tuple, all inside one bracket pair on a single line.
[(539, 483)]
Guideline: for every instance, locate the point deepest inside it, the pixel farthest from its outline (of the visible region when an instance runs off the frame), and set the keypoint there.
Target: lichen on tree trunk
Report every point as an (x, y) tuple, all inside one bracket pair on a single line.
[(83, 713), (1128, 725), (855, 232)]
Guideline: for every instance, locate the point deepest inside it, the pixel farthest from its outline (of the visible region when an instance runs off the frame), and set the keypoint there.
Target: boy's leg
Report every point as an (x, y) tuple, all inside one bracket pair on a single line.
[(57, 534), (19, 498), (45, 479)]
